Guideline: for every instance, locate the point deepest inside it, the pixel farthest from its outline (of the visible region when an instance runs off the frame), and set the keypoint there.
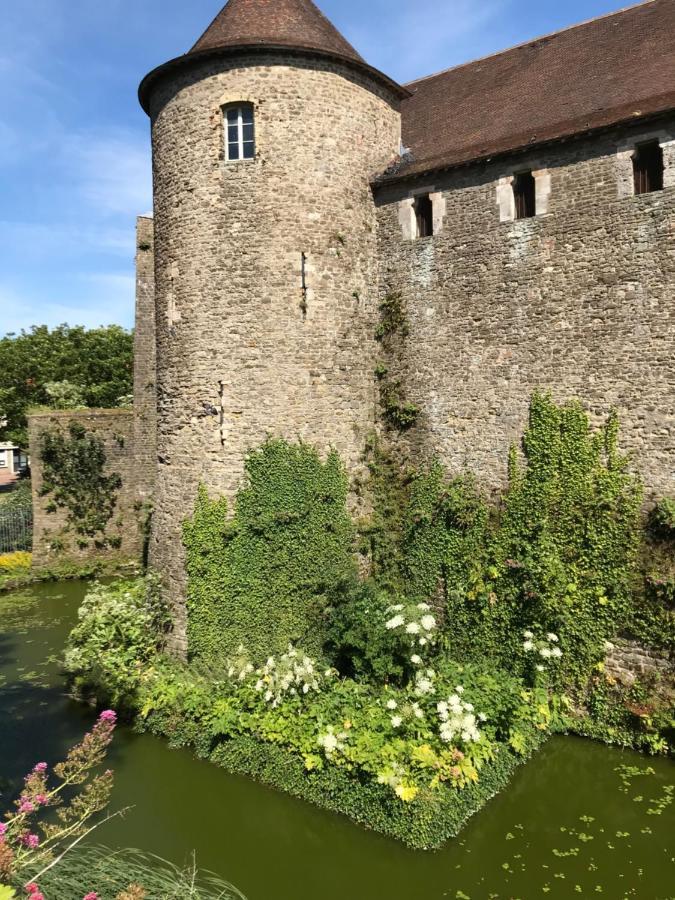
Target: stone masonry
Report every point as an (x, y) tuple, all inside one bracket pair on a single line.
[(577, 301), (54, 541), (243, 351)]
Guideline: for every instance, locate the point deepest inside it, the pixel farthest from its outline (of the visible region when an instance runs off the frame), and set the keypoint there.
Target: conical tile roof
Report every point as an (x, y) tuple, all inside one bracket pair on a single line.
[(291, 23)]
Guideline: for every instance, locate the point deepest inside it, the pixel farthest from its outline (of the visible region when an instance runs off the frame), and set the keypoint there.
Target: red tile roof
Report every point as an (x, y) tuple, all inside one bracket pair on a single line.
[(294, 23), (616, 68)]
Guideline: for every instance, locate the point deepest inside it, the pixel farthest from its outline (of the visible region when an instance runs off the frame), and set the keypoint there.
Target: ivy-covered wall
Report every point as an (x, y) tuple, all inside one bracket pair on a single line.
[(262, 577), (85, 488)]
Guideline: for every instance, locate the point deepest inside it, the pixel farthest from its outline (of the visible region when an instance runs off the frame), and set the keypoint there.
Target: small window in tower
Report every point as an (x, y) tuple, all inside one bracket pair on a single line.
[(648, 168), (525, 195), (239, 132), (424, 216)]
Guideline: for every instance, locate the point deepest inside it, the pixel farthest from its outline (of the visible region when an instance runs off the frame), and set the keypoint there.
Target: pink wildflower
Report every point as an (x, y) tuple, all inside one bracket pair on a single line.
[(32, 841), (3, 828), (26, 807), (92, 896), (108, 716), (34, 892), (40, 799), (40, 768)]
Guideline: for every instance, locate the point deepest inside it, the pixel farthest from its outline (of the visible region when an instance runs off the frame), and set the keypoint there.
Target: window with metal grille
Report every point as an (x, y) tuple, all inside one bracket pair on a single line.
[(239, 132), (648, 167), (424, 216), (525, 195)]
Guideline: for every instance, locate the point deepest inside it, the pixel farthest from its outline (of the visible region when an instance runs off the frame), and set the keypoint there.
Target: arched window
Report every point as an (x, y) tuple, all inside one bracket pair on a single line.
[(239, 132)]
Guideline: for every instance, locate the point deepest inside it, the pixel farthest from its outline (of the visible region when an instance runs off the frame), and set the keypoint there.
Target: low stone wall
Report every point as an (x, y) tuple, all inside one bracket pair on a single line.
[(628, 661), (58, 536)]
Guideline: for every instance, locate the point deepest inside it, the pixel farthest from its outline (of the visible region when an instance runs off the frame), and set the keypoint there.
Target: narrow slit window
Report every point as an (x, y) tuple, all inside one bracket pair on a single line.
[(239, 132), (648, 168), (424, 216), (525, 195)]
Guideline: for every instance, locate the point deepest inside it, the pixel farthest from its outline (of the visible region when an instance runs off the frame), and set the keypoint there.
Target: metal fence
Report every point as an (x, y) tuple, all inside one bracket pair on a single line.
[(16, 530)]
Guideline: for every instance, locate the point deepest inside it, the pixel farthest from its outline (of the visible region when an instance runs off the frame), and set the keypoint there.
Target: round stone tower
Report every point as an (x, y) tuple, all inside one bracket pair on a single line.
[(265, 138)]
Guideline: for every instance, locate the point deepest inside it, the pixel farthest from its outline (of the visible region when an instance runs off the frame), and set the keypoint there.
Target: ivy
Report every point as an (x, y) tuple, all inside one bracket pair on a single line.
[(399, 413), (559, 552), (74, 477), (262, 578)]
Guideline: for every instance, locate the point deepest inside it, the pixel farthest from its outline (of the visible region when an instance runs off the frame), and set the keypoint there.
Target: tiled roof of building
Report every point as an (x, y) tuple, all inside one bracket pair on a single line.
[(613, 69), (293, 23)]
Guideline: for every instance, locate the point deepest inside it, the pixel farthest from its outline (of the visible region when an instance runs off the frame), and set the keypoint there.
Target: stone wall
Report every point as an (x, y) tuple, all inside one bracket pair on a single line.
[(145, 363), (56, 541), (242, 350), (578, 301), (628, 661)]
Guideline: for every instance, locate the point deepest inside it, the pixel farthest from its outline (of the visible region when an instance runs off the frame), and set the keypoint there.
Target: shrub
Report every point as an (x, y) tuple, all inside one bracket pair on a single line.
[(121, 627), (662, 518), (263, 577), (15, 563)]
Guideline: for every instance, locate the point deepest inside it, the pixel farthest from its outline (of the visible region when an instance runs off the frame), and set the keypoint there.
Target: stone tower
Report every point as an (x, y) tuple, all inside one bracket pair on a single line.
[(265, 138)]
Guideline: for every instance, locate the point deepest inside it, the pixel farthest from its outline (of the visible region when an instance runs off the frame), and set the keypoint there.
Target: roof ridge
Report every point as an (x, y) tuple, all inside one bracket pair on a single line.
[(534, 40)]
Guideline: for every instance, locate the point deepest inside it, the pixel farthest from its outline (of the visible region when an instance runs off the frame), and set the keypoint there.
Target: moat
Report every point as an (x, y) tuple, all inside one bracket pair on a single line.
[(580, 819)]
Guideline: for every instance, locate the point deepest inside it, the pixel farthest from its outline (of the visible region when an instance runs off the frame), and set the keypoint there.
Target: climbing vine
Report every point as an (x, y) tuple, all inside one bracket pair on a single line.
[(74, 478), (262, 577), (561, 550), (399, 413)]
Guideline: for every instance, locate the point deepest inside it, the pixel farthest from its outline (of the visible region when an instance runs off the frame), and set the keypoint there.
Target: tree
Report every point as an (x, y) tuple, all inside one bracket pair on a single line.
[(39, 366)]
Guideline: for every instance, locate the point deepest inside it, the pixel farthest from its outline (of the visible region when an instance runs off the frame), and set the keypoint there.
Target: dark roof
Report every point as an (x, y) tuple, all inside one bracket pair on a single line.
[(293, 23), (613, 69), (250, 26)]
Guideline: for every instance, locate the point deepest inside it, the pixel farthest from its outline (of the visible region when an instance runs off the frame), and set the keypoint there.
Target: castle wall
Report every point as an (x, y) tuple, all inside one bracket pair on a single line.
[(578, 301), (145, 362), (56, 541), (242, 350)]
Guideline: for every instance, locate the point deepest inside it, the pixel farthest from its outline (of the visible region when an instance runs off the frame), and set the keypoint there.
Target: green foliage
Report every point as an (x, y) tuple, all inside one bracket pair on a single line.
[(638, 715), (262, 578), (381, 535), (398, 412), (74, 477), (561, 553), (112, 871), (393, 317), (121, 627), (662, 518), (387, 752), (98, 364), (20, 498), (65, 395), (356, 641)]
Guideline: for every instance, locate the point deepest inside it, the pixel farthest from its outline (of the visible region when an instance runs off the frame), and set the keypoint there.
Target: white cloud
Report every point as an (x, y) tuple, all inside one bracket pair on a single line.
[(426, 36), (111, 170)]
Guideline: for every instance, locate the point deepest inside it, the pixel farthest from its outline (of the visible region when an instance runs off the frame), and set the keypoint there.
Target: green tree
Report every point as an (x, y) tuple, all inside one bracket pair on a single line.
[(96, 365)]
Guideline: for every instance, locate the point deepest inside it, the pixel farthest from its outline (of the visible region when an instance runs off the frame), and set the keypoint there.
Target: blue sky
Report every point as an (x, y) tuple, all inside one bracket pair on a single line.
[(74, 144)]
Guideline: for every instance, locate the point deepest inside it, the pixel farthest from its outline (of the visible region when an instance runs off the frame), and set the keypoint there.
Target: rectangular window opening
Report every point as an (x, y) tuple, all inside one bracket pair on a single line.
[(424, 216), (525, 195), (239, 132), (648, 168)]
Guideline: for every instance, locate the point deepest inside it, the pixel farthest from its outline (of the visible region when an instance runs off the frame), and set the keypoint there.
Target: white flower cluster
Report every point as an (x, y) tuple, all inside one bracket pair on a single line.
[(424, 682), (547, 648), (293, 674), (459, 720), (416, 622), (405, 710), (332, 742)]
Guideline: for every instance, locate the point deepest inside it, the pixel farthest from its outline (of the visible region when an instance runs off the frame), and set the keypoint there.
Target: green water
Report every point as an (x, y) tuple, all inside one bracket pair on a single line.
[(569, 825)]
